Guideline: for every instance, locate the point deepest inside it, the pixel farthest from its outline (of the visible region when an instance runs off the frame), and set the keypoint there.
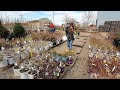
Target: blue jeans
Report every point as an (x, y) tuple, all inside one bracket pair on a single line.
[(69, 43), (52, 29)]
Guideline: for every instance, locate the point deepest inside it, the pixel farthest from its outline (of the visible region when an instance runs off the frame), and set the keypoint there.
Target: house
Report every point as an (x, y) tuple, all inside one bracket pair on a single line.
[(40, 24), (92, 27), (34, 25)]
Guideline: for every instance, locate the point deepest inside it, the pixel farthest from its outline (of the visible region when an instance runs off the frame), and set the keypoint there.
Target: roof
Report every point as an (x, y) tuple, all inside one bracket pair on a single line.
[(34, 21), (46, 19), (40, 19)]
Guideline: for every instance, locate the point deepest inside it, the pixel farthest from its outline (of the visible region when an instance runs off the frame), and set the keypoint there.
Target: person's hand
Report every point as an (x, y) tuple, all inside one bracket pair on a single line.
[(74, 32)]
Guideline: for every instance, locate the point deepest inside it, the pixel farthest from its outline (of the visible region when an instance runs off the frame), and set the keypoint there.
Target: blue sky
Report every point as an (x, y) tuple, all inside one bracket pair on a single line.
[(108, 16), (34, 15)]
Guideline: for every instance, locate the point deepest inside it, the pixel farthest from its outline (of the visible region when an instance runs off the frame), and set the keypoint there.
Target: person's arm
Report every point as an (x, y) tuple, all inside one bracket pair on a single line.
[(66, 31), (72, 28)]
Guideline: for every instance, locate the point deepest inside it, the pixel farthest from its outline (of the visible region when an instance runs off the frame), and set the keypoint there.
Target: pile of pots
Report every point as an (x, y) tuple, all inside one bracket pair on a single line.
[(40, 71), (48, 65), (6, 60)]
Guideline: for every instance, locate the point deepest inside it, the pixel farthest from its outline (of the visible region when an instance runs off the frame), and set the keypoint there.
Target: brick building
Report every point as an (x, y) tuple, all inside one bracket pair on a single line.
[(110, 26)]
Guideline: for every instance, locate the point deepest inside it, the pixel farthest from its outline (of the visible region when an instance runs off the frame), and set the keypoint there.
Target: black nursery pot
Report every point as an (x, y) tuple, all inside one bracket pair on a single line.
[(62, 69), (32, 72), (70, 61), (24, 70), (16, 67)]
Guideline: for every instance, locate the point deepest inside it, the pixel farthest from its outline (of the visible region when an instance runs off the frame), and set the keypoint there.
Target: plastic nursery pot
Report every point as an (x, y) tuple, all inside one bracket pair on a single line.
[(11, 60), (62, 69), (31, 74), (3, 63), (69, 60), (1, 57), (16, 70), (23, 73), (62, 66)]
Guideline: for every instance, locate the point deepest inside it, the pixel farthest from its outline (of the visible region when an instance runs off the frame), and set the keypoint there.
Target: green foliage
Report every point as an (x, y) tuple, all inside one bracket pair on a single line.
[(3, 32), (18, 30)]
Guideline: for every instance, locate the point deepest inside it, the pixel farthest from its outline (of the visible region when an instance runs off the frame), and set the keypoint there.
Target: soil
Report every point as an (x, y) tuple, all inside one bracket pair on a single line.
[(24, 70), (32, 72), (16, 67)]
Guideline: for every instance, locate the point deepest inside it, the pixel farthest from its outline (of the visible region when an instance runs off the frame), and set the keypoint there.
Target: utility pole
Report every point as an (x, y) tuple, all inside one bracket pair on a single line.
[(21, 18), (53, 16), (97, 20)]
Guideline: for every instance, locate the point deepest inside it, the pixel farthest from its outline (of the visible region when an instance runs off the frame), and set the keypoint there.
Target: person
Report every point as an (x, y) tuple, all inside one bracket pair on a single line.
[(52, 27), (70, 35), (78, 33), (63, 26)]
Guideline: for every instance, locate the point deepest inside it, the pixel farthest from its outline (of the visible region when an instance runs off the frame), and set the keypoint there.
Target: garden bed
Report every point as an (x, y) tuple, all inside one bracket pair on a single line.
[(104, 59)]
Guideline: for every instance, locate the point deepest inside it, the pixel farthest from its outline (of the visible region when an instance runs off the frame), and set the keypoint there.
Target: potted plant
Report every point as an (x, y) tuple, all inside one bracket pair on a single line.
[(62, 66), (64, 57), (69, 60), (10, 60), (23, 73), (58, 57), (31, 74), (16, 69), (3, 62), (54, 53)]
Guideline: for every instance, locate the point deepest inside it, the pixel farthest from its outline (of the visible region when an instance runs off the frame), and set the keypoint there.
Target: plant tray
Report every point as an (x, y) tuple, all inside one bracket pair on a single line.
[(63, 74)]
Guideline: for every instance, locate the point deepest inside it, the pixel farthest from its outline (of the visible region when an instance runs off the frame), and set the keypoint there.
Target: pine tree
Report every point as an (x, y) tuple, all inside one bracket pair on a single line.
[(19, 30)]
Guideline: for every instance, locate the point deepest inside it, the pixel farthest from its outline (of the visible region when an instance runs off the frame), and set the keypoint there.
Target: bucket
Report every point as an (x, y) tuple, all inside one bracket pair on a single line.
[(23, 73), (51, 44), (57, 42), (3, 63), (23, 56), (16, 56), (16, 70), (10, 60), (31, 75)]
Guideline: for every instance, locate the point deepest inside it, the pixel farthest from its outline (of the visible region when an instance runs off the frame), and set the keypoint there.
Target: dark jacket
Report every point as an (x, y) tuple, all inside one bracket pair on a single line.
[(69, 34)]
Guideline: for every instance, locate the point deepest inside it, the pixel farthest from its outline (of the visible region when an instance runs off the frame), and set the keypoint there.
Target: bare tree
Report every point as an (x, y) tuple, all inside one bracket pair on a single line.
[(72, 20), (87, 18), (66, 19)]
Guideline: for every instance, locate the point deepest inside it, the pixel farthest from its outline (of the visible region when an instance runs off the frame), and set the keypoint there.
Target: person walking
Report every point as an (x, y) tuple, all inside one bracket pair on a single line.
[(52, 28), (70, 35)]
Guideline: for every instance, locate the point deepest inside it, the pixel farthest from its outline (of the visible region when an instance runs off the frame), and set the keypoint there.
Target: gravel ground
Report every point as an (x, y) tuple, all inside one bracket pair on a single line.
[(7, 74), (79, 71)]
